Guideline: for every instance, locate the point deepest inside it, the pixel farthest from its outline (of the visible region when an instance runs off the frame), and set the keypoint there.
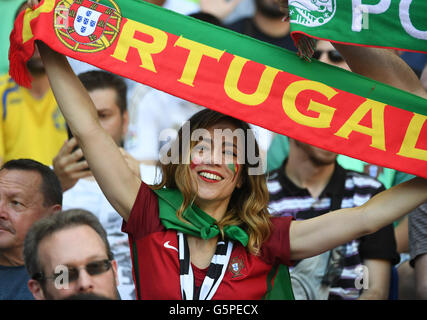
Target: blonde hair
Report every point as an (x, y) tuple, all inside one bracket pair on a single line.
[(247, 207)]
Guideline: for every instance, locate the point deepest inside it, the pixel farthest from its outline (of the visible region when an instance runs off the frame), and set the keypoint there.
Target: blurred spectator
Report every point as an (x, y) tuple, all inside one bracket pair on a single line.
[(245, 8), (417, 61), (29, 191), (181, 6), (31, 125), (148, 120), (310, 183), (279, 149), (266, 25), (418, 249), (108, 92), (414, 282), (67, 254)]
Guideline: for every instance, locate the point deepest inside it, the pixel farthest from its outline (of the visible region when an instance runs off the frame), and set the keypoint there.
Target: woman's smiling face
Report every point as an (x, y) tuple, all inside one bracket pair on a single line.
[(216, 162)]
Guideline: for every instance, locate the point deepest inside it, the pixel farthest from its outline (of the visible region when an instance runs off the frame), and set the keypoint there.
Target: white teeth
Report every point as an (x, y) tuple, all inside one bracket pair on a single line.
[(210, 176)]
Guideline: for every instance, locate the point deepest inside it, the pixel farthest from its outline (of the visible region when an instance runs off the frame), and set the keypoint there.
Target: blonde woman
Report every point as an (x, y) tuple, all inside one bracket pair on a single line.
[(205, 232), (210, 223)]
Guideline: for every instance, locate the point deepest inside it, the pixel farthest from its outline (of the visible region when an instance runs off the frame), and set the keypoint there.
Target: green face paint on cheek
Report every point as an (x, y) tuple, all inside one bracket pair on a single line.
[(233, 167)]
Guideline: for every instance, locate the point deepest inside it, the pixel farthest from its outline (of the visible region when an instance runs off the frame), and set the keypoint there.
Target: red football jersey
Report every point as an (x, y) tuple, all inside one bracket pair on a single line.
[(156, 264)]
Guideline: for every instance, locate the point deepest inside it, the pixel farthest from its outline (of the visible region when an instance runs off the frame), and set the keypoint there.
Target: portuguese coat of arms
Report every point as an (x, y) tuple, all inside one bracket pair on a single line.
[(236, 266), (85, 25)]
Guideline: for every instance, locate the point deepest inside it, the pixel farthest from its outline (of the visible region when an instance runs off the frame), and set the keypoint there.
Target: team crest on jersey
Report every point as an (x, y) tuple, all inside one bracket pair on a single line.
[(85, 25), (236, 266), (312, 13)]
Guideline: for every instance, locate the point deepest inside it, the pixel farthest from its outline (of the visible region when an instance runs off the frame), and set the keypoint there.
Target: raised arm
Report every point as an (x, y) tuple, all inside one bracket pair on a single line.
[(382, 65), (119, 184), (314, 236)]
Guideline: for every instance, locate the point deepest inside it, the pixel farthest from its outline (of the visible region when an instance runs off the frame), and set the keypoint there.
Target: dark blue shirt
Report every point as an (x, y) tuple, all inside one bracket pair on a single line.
[(13, 284), (247, 26)]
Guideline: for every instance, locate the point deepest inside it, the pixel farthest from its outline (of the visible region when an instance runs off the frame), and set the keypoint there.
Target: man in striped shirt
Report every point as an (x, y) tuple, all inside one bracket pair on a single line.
[(310, 183)]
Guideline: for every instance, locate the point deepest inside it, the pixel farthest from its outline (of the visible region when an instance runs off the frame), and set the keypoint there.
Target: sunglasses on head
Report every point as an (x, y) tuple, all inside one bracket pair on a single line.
[(92, 268), (333, 55)]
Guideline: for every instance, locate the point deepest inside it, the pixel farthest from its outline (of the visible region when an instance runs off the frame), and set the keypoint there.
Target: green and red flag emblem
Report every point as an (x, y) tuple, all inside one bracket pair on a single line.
[(236, 266), (87, 21), (86, 26)]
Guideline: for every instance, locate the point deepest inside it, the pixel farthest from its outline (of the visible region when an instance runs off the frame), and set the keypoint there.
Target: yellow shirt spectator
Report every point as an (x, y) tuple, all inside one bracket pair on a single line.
[(29, 127)]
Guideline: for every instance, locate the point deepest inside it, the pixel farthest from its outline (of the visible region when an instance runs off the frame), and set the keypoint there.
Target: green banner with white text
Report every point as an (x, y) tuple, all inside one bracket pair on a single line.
[(398, 24)]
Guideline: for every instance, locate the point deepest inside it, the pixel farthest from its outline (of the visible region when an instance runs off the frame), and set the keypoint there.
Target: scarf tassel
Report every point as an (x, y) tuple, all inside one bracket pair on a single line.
[(19, 54), (305, 45)]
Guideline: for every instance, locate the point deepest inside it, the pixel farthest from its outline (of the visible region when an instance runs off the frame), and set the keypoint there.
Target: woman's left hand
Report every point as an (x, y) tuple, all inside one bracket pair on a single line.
[(32, 3)]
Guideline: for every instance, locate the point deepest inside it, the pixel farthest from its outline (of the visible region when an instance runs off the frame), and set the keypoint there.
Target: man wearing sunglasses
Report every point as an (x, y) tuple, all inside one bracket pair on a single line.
[(68, 254), (326, 53)]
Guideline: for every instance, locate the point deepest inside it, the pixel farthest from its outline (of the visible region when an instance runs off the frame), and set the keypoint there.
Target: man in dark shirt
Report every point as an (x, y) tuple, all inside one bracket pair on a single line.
[(310, 183), (266, 24), (29, 191)]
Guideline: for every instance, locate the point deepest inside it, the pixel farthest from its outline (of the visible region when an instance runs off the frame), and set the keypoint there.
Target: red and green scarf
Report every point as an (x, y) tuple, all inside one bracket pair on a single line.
[(231, 73)]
